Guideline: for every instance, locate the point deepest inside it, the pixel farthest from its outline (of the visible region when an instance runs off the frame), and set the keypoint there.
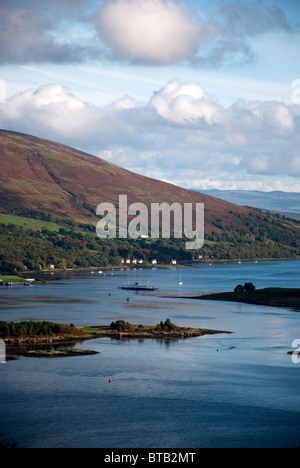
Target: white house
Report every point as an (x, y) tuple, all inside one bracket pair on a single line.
[(128, 261), (154, 262), (174, 262)]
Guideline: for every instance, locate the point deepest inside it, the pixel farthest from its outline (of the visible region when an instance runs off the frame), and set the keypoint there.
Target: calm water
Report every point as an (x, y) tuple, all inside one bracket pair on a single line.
[(239, 390)]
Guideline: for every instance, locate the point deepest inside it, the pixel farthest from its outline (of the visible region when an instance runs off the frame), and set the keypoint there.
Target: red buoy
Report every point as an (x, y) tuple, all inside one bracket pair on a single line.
[(110, 380)]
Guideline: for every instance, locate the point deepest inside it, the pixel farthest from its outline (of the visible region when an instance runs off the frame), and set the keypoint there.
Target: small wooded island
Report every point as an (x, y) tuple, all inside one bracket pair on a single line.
[(36, 339)]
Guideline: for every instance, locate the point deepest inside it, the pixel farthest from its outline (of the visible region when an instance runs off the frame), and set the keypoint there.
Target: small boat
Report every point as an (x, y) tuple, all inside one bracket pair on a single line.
[(180, 281), (138, 287)]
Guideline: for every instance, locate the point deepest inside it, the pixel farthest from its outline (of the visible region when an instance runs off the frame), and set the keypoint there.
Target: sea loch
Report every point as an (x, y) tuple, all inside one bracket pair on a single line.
[(237, 390)]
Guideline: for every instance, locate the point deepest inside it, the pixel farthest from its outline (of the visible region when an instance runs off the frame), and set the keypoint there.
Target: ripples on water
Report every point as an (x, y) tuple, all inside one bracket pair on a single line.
[(217, 391)]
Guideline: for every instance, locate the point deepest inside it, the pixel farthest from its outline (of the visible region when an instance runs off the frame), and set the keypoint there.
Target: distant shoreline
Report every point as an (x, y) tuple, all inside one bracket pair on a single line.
[(148, 267), (244, 260), (45, 276)]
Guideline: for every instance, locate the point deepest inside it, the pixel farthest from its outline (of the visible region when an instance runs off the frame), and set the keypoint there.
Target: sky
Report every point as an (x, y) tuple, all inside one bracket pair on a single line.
[(201, 94)]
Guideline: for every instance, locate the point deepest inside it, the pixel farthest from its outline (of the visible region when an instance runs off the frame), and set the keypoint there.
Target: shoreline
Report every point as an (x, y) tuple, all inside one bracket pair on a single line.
[(38, 346), (243, 260), (184, 264), (47, 276), (105, 332), (271, 297)]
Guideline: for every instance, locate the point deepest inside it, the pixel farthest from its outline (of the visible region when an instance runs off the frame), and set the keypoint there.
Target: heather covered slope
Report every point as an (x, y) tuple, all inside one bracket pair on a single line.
[(48, 198), (41, 175)]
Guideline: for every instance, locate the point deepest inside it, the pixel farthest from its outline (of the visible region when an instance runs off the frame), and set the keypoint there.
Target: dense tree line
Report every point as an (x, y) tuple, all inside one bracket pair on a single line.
[(246, 288), (122, 326), (166, 326), (11, 329), (26, 248)]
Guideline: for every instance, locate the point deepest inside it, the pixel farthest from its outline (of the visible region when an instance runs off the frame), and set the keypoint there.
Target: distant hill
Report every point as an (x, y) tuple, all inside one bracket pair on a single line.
[(287, 203), (48, 198)]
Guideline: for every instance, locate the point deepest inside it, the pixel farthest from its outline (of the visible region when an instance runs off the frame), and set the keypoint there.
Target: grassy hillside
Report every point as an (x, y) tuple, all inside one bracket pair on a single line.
[(41, 176), (48, 198), (34, 224)]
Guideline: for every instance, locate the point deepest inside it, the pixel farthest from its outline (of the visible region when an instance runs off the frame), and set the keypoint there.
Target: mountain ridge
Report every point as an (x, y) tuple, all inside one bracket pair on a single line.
[(40, 174), (277, 201), (49, 194)]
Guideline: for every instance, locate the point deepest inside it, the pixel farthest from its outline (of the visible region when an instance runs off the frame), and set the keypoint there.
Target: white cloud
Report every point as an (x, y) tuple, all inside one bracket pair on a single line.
[(180, 134), (295, 165), (49, 109), (185, 103), (276, 114), (260, 164), (153, 31), (35, 31), (159, 32), (165, 32), (126, 102)]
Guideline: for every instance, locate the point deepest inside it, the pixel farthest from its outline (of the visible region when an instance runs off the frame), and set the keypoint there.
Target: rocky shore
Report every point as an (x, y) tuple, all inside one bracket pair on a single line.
[(167, 335)]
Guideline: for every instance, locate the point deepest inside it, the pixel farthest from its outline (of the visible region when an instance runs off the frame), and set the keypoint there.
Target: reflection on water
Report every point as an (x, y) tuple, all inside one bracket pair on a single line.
[(223, 390)]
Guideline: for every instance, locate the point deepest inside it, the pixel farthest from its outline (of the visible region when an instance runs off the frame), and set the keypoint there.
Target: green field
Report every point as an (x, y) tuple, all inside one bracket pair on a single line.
[(34, 224), (31, 244), (11, 279)]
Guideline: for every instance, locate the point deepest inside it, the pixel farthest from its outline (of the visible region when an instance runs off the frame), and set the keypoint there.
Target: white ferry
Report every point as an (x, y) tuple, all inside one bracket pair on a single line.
[(138, 287)]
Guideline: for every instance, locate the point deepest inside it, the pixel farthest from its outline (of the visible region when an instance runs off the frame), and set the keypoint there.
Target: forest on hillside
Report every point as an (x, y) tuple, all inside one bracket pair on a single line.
[(262, 235)]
